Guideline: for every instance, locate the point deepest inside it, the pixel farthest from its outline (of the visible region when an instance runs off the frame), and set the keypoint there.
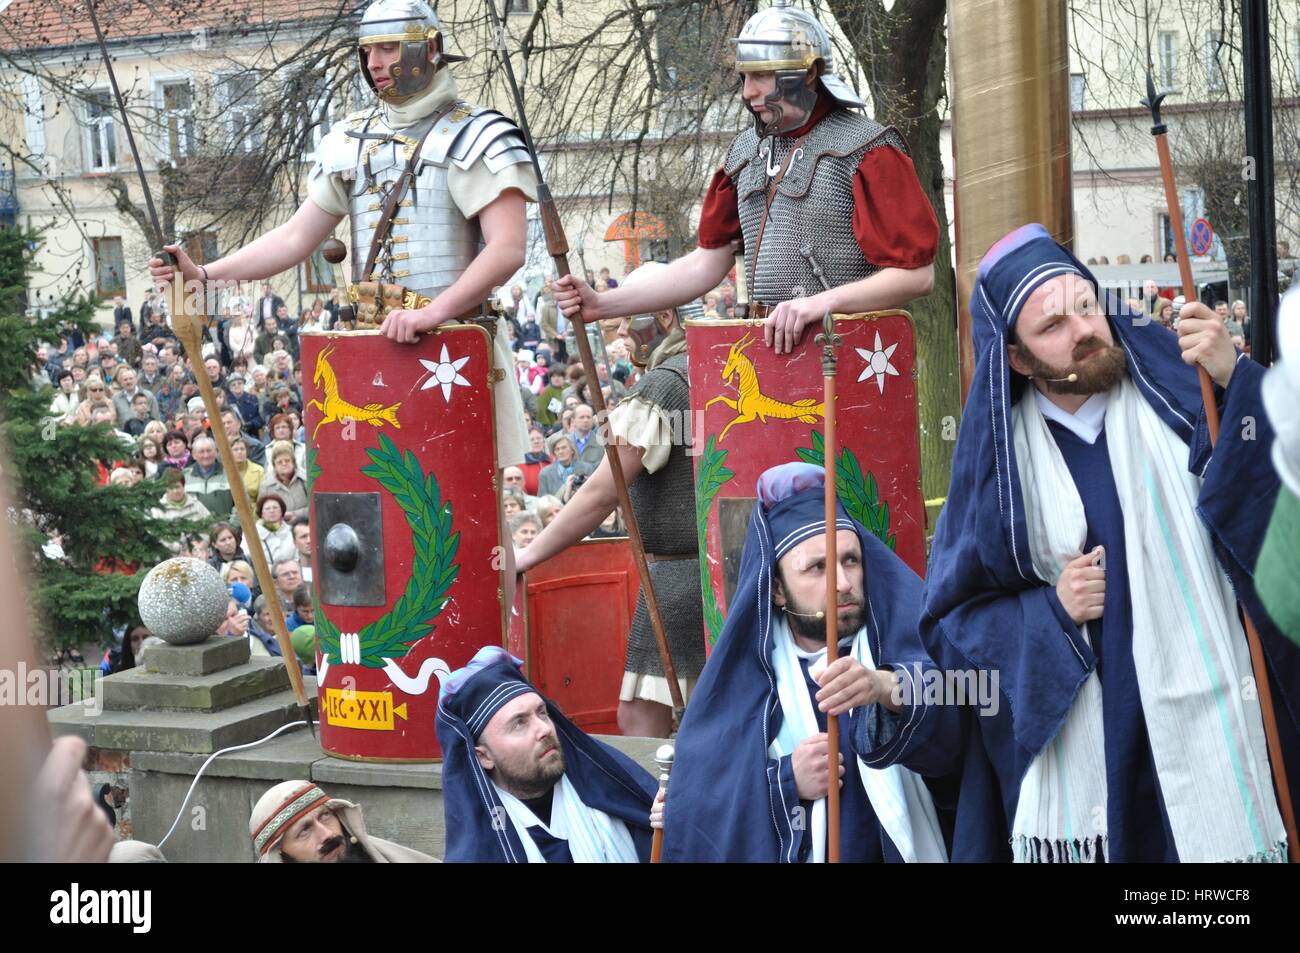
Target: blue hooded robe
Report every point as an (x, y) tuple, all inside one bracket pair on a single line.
[(728, 799), (606, 779), (984, 606)]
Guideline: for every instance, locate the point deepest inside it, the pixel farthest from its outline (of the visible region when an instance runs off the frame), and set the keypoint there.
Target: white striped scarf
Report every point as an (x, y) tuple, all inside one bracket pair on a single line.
[(899, 797), (594, 837), (1189, 650)]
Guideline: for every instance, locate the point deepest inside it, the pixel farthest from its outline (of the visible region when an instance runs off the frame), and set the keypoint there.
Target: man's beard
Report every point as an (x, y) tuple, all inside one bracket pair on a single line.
[(352, 853), (804, 622), (1105, 368), (536, 781)]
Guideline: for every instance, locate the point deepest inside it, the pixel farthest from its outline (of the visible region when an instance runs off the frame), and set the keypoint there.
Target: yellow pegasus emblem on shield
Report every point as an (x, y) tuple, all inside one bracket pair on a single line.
[(751, 403), (335, 408)]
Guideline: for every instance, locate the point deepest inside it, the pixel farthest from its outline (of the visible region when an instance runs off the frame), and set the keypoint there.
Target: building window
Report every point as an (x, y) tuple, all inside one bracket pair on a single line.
[(109, 267), (1213, 71), (239, 95), (178, 119), (318, 274), (202, 247), (101, 131), (1076, 92), (1167, 46)]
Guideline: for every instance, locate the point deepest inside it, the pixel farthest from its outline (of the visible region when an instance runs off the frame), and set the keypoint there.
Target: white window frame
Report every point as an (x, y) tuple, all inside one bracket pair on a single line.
[(1078, 92), (185, 133), (1215, 81), (1167, 59), (252, 139), (101, 132), (34, 120)]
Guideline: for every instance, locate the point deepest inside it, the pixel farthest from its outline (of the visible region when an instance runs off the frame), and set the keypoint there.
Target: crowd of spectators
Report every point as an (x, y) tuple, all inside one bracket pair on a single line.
[(137, 379)]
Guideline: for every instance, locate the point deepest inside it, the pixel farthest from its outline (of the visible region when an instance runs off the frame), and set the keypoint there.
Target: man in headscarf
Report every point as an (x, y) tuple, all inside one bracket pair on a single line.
[(1092, 551), (651, 430), (522, 784), (297, 823), (751, 773)]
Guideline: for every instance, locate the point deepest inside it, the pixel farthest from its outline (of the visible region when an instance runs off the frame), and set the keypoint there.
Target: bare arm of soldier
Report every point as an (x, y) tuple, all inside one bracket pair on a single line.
[(684, 280), (283, 247), (887, 288), (504, 224), (582, 514)]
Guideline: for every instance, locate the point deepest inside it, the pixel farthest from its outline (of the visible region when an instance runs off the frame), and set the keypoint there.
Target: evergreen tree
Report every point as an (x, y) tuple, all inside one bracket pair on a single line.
[(108, 538)]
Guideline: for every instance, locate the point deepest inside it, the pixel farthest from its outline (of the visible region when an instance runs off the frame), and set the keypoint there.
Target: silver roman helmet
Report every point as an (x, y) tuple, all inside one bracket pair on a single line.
[(412, 24), (788, 41)]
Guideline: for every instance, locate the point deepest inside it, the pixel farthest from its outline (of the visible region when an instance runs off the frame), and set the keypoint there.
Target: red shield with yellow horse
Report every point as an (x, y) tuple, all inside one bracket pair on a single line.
[(405, 530), (755, 409)]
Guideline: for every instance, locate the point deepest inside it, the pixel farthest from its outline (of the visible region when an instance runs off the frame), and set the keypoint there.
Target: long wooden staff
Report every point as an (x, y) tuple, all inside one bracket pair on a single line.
[(829, 341), (664, 759), (1258, 664), (188, 333), (558, 246)]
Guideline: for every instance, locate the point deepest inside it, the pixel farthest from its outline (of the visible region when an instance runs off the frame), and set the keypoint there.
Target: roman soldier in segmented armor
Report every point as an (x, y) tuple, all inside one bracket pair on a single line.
[(653, 422), (824, 201), (462, 157)]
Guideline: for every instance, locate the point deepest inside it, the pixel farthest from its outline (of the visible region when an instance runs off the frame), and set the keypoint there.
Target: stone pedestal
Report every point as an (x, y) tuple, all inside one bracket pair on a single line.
[(193, 699)]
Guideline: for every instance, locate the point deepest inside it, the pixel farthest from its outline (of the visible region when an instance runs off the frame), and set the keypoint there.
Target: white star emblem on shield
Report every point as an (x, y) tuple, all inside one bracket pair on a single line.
[(878, 365), (445, 373)]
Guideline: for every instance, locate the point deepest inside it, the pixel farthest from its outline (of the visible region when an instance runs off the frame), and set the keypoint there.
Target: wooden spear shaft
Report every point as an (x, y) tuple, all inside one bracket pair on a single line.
[(1258, 663), (187, 331), (557, 245), (829, 340)]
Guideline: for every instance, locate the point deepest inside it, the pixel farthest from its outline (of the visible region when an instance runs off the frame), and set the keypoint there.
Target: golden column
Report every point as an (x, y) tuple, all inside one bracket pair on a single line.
[(1011, 131)]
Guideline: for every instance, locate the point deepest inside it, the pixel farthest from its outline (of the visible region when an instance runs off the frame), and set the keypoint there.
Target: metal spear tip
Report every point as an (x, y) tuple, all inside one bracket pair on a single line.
[(1152, 102), (664, 756), (333, 250)]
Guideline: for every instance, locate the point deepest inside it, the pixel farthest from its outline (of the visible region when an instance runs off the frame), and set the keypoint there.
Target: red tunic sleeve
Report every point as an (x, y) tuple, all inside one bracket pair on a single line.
[(892, 217), (719, 218)]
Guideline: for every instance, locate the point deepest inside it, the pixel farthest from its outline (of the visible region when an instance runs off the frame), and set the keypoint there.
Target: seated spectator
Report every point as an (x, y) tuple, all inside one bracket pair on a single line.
[(611, 526), (224, 539), (546, 508), (560, 475), (176, 450), (170, 394), (534, 460), (103, 413), (251, 475), (272, 531), (261, 639), (135, 423), (245, 402), (178, 504), (239, 571), (302, 542), (205, 479), (66, 400), (151, 457), (93, 392), (304, 612), (150, 376), (512, 503), (524, 528), (284, 481), (288, 577)]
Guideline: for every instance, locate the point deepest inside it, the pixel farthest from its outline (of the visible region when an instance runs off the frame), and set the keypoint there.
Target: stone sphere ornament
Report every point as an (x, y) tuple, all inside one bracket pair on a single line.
[(183, 600)]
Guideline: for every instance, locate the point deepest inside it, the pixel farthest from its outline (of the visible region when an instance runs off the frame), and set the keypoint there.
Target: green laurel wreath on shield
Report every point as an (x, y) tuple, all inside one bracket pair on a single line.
[(434, 568), (709, 479), (857, 490)]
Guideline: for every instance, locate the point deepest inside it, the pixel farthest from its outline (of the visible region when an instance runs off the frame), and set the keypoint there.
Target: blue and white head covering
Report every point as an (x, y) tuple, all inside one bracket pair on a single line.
[(605, 779), (720, 799)]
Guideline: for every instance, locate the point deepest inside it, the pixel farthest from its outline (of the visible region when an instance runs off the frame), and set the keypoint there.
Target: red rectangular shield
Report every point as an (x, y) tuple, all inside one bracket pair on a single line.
[(405, 530), (755, 409)]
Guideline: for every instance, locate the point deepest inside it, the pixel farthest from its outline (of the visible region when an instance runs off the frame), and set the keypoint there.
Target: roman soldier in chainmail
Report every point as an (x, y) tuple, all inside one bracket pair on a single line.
[(460, 177), (651, 427), (824, 200)]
